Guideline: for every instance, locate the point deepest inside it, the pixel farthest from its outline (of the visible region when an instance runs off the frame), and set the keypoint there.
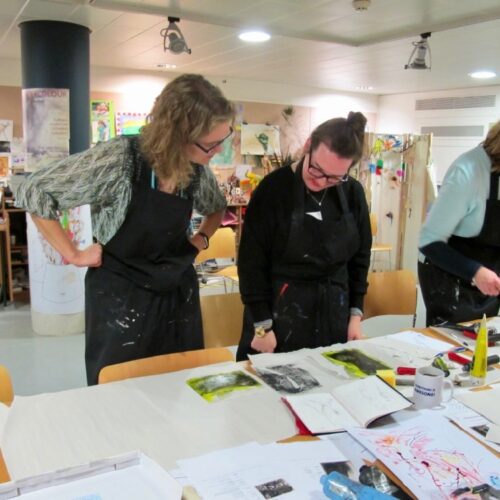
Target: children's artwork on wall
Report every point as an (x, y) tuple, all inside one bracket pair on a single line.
[(57, 287), (6, 128), (17, 155), (129, 123), (260, 139), (4, 165), (102, 118)]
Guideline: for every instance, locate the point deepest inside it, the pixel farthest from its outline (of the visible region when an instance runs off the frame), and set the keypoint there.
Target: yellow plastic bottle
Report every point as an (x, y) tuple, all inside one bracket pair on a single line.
[(479, 363)]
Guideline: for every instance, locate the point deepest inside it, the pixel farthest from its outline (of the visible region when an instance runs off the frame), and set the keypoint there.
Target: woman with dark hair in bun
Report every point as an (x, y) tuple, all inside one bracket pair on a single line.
[(305, 247)]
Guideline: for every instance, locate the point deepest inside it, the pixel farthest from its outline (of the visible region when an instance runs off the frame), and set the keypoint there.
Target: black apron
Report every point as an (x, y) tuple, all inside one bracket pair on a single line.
[(310, 281), (144, 299), (450, 298)]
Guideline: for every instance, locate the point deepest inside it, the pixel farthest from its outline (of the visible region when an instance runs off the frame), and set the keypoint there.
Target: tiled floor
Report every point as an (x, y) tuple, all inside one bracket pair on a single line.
[(46, 364)]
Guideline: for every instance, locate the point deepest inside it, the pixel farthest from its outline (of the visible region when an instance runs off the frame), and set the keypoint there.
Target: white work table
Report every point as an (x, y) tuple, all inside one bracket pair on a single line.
[(158, 415)]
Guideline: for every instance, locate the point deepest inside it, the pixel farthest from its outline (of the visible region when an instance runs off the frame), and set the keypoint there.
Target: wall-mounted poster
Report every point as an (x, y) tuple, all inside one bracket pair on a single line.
[(6, 128), (46, 126), (260, 139), (129, 123), (102, 118)]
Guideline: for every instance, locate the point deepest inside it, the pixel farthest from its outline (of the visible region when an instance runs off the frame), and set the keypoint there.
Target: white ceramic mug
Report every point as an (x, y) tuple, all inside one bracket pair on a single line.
[(429, 385)]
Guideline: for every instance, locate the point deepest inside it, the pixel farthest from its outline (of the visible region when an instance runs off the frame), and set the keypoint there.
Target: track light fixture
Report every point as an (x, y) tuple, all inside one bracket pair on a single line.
[(173, 39), (419, 53)]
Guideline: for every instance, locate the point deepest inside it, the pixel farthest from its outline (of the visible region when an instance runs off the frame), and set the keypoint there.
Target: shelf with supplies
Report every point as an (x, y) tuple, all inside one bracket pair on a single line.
[(14, 255), (235, 214)]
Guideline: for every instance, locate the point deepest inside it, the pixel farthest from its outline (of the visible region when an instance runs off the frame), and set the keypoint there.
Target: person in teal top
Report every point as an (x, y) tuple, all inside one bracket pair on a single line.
[(460, 241)]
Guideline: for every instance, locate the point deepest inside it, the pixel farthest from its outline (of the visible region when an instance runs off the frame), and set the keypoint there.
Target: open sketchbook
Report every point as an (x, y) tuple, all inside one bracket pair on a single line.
[(356, 404)]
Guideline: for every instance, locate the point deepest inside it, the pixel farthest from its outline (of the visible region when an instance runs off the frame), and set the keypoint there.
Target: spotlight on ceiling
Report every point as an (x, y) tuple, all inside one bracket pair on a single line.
[(254, 36), (483, 75), (419, 53), (173, 39)]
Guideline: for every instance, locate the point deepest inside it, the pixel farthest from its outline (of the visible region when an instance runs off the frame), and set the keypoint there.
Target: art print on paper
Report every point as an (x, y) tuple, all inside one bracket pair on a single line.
[(219, 385), (260, 139), (289, 379), (356, 362), (274, 489)]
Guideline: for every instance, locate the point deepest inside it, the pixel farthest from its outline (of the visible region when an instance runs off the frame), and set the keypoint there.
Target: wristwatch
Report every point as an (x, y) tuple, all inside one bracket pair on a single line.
[(206, 240), (260, 331)]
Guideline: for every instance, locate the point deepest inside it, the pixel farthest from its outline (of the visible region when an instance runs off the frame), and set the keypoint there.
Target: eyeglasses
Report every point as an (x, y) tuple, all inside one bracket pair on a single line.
[(319, 173), (216, 144)]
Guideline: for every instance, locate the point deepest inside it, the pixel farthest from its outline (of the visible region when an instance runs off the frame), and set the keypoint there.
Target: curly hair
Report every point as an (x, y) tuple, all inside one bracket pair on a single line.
[(492, 146), (188, 108), (344, 136)]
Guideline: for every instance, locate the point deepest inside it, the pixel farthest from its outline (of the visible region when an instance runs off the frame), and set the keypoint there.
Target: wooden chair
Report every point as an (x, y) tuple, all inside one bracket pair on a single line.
[(163, 363), (222, 246), (376, 246), (222, 319), (391, 292), (6, 390), (6, 397)]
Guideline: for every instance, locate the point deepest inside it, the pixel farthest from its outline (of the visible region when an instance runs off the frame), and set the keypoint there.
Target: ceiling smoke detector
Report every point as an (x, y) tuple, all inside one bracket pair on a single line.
[(361, 5)]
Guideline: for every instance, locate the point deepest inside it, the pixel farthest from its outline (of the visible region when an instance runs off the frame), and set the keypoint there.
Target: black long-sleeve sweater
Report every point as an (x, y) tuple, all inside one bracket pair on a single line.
[(265, 234)]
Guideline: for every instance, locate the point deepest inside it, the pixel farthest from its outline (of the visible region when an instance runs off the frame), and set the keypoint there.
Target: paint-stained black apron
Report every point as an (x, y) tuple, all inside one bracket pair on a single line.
[(310, 281), (450, 298), (144, 299)]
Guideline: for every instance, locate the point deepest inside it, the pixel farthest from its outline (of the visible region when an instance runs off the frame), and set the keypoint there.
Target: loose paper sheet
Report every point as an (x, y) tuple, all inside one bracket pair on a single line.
[(420, 340), (252, 471), (485, 402), (493, 435), (52, 431)]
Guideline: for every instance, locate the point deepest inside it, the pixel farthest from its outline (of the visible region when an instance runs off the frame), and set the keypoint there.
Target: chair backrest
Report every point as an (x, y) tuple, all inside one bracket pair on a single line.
[(163, 363), (6, 390), (222, 316), (222, 246), (391, 292), (373, 224)]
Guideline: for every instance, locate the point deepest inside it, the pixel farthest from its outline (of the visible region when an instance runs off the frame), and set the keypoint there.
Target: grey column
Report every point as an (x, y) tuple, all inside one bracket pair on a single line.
[(56, 55)]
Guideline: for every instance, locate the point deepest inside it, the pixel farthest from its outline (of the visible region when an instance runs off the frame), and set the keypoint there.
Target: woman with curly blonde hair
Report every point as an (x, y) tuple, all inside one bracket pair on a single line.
[(141, 288), (459, 266)]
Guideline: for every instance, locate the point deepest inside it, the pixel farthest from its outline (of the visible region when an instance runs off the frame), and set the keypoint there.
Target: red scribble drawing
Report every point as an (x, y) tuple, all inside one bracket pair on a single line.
[(447, 469), (431, 456)]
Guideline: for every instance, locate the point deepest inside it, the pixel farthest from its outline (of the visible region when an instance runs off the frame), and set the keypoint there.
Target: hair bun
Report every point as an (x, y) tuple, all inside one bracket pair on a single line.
[(357, 121)]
